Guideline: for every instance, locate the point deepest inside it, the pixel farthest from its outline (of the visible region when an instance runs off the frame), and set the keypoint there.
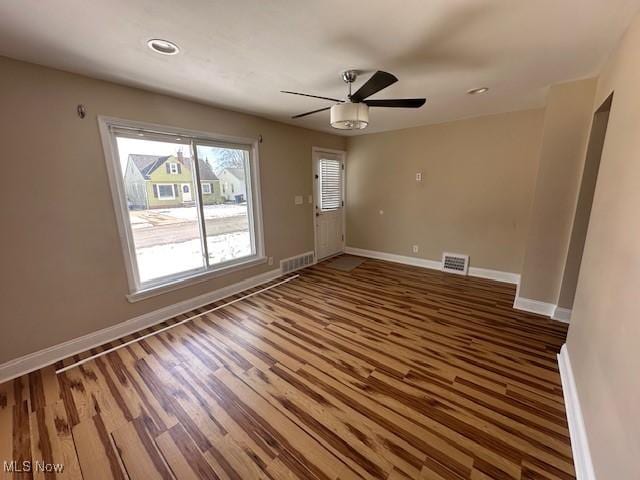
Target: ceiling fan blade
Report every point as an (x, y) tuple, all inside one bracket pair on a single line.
[(311, 112), (377, 82), (312, 96), (397, 103)]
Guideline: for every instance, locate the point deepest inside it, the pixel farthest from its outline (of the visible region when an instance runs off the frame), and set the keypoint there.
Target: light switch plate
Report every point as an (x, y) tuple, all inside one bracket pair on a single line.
[(298, 200)]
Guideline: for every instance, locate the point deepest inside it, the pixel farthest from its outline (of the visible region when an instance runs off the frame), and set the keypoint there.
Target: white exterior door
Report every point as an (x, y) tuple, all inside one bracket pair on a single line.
[(328, 169), (186, 192)]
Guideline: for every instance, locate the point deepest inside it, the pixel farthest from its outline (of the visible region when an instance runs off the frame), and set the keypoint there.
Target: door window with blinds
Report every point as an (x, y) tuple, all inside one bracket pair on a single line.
[(330, 183), (177, 222)]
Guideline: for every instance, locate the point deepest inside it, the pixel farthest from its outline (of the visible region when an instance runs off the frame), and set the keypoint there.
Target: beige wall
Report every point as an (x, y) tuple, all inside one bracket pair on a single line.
[(475, 197), (604, 337), (63, 271), (567, 123), (583, 210)]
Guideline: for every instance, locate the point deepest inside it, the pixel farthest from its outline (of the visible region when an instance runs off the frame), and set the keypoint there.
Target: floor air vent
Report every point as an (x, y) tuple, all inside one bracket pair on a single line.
[(296, 263), (455, 263)]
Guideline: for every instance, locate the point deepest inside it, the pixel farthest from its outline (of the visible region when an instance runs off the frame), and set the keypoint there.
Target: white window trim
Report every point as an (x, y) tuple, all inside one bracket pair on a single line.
[(209, 187), (173, 168), (166, 197), (137, 291)]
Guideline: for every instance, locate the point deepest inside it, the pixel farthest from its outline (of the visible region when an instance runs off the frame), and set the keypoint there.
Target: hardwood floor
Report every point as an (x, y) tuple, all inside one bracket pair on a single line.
[(385, 372)]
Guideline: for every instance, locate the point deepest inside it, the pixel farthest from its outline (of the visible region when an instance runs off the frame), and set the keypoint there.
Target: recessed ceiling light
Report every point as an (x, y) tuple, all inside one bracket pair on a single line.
[(163, 47), (476, 91)]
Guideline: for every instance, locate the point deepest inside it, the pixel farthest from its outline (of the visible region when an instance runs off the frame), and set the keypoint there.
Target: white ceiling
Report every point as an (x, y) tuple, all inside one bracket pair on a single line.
[(238, 54)]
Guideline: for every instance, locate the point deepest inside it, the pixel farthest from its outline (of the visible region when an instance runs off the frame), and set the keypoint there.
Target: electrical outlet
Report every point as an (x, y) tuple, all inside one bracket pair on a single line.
[(298, 200), (415, 249), (419, 177), (310, 199), (270, 260)]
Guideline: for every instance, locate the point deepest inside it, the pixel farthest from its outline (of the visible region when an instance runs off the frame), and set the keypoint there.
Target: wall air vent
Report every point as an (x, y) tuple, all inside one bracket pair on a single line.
[(296, 263), (455, 263)]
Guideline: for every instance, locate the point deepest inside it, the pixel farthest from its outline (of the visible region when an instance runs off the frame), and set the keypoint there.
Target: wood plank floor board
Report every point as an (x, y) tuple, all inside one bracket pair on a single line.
[(96, 451), (342, 434), (385, 372), (139, 454)]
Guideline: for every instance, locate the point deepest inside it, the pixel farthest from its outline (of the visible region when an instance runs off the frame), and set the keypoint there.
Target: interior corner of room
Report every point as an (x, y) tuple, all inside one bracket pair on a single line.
[(420, 259)]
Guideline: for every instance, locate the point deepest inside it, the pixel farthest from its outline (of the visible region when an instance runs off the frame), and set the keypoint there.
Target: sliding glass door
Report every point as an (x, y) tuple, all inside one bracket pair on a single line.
[(228, 225)]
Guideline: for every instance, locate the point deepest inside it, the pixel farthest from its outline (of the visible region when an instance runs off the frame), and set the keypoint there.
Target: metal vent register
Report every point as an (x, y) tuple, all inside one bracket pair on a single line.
[(296, 263), (455, 263)]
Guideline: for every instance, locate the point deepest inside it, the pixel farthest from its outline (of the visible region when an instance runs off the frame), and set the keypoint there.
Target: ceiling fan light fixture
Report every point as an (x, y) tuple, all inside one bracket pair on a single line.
[(350, 116)]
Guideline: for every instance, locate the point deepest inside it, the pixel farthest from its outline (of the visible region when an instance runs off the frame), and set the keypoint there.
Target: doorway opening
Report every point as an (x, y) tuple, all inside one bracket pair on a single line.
[(328, 200), (583, 210)]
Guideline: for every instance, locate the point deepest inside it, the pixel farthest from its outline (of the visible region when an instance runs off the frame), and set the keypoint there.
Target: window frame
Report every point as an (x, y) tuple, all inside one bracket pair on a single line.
[(209, 187), (173, 168), (164, 197), (140, 290)]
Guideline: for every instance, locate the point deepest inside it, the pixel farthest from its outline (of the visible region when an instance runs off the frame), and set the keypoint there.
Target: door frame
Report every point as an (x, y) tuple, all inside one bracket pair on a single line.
[(343, 155)]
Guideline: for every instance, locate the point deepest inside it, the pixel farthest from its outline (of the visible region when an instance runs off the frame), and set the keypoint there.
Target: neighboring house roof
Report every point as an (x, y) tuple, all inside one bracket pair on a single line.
[(206, 172), (147, 164), (236, 172)]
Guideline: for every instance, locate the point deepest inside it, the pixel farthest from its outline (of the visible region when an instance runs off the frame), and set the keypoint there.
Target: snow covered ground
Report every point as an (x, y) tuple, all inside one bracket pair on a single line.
[(147, 218), (210, 211), (162, 260), (138, 221)]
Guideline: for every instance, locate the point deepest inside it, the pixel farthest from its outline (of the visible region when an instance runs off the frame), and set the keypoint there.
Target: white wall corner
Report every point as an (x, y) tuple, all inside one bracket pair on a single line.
[(577, 431), (48, 356), (534, 306), (561, 314)]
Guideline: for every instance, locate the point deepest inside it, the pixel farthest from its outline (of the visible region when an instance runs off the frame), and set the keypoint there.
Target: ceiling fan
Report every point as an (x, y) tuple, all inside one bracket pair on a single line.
[(353, 113)]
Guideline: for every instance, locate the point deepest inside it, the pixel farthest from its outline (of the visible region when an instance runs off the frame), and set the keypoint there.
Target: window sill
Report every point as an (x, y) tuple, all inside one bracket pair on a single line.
[(192, 280)]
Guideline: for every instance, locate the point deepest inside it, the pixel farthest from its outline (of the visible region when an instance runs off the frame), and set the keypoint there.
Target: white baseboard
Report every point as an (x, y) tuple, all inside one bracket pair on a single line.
[(498, 275), (42, 358), (534, 306), (392, 257), (542, 308), (561, 314), (579, 443)]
